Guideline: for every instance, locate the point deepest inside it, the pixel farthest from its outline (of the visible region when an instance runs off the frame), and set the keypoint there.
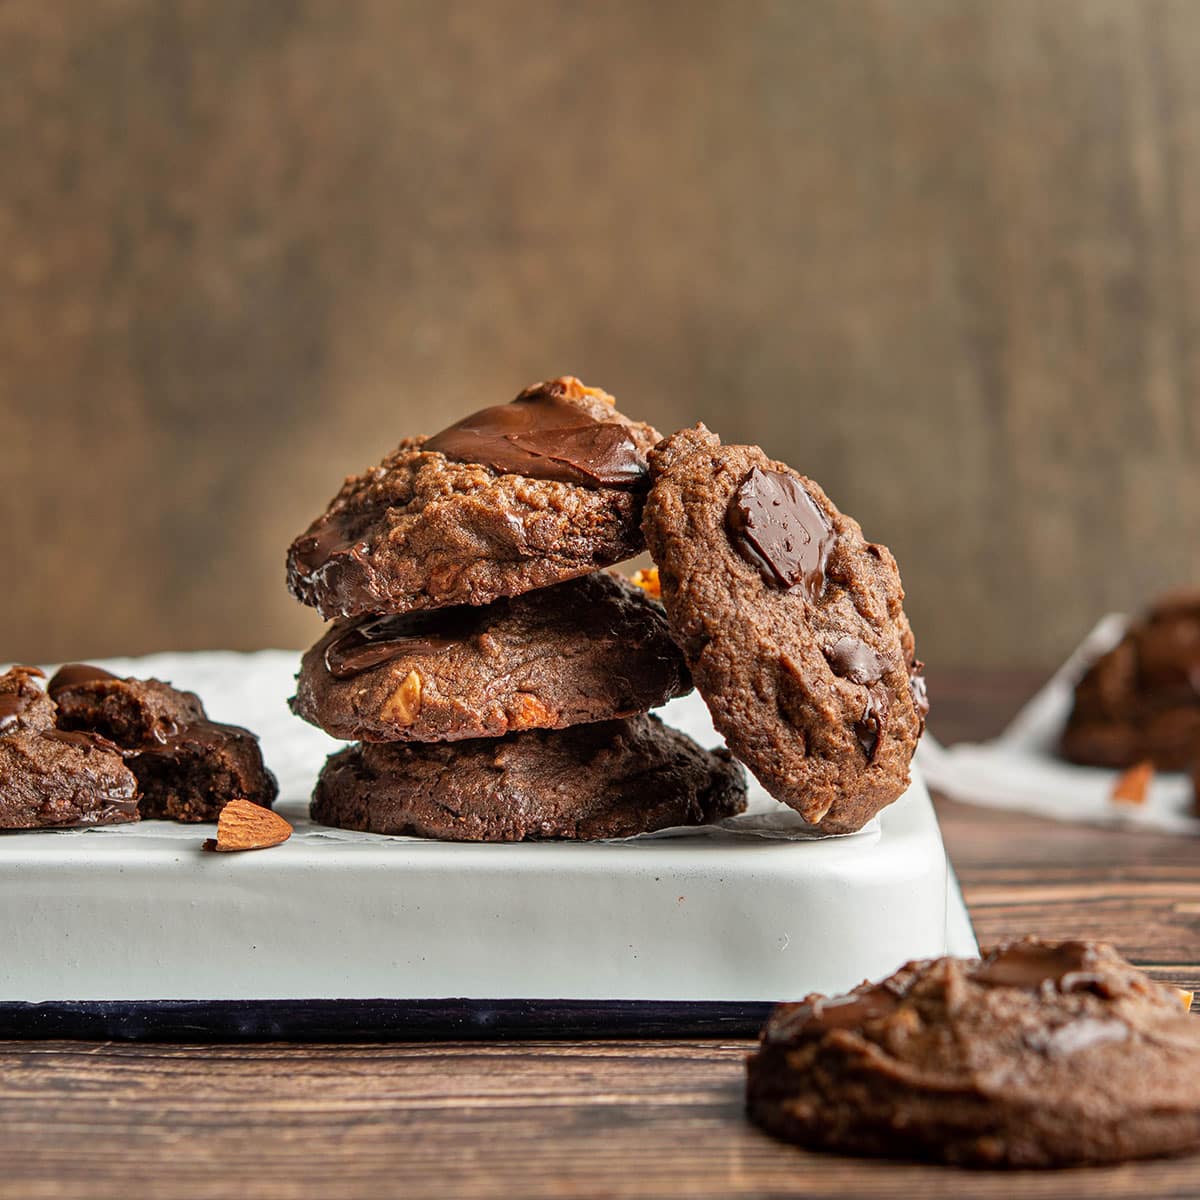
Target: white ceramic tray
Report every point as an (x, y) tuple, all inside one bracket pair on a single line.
[(136, 928)]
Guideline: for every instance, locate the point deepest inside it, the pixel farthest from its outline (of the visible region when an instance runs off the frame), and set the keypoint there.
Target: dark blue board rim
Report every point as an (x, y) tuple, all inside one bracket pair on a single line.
[(378, 1020)]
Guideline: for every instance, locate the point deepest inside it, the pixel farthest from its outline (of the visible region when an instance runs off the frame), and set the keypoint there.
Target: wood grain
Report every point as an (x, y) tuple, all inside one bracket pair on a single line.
[(943, 255), (573, 1119)]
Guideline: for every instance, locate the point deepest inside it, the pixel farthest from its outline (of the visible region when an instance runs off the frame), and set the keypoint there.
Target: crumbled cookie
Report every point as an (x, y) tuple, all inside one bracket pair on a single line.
[(50, 779), (187, 766), (791, 624), (512, 498), (1040, 1055), (592, 649), (612, 779)]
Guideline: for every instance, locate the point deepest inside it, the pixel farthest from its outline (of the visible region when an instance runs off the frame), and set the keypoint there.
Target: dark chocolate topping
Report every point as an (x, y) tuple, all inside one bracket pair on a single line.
[(543, 436), (852, 659), (776, 526), (80, 737), (379, 639), (1032, 965), (73, 675)]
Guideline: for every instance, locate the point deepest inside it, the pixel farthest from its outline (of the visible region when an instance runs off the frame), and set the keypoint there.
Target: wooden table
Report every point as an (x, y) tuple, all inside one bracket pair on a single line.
[(578, 1119)]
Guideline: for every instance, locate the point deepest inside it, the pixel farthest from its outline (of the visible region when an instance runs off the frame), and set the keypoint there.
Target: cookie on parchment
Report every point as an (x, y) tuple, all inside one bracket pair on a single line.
[(50, 779), (792, 625), (612, 779), (187, 766)]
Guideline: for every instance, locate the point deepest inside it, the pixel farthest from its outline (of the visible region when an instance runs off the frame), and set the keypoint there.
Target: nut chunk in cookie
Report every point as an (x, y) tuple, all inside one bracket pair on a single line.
[(514, 497), (792, 625), (187, 766), (590, 649), (50, 779), (1040, 1055)]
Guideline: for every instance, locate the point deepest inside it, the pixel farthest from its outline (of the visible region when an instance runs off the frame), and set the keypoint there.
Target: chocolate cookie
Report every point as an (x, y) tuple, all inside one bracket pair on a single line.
[(1041, 1055), (187, 766), (591, 649), (512, 498), (792, 625), (1141, 701), (608, 780), (50, 779)]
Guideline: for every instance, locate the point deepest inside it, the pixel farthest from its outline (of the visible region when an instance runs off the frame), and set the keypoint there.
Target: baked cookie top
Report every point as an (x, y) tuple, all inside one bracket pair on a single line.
[(1141, 700), (792, 625), (1040, 1054), (591, 649), (612, 779), (50, 778), (511, 498)]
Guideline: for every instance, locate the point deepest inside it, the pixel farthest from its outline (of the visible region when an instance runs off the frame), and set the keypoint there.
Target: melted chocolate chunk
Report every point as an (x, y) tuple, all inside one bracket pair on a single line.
[(775, 525), (854, 660), (73, 675), (870, 726), (334, 533), (818, 1016), (1033, 966), (542, 436), (380, 639)]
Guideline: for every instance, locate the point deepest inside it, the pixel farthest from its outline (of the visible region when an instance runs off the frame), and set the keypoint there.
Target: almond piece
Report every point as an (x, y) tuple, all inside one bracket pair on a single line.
[(244, 825), (649, 582), (1185, 998), (403, 705), (528, 712), (1132, 785)]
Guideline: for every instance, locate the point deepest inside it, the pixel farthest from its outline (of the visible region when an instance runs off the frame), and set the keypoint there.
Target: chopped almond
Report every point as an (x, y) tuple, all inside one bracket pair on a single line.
[(244, 825), (649, 582), (1133, 785)]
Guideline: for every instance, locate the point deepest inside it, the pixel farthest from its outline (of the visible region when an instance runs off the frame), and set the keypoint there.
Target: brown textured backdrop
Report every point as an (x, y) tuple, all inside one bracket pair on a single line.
[(940, 254)]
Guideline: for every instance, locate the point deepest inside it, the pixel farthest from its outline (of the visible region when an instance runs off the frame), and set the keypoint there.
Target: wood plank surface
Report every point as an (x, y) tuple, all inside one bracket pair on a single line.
[(575, 1119)]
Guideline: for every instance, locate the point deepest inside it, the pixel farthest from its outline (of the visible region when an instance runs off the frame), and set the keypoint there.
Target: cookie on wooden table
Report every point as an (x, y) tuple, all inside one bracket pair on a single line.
[(1140, 702), (1040, 1055), (792, 625), (50, 779), (514, 497), (592, 649), (612, 779)]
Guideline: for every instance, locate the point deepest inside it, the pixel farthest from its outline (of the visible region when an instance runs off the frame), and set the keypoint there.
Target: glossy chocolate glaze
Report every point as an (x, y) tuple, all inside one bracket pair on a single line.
[(74, 675), (543, 436), (376, 640)]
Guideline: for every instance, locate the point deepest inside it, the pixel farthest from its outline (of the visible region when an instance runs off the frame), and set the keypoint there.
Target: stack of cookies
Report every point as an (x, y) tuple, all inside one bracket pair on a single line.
[(494, 677)]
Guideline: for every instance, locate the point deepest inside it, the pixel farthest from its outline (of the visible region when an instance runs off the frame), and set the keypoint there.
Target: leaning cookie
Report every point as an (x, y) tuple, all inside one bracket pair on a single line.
[(511, 498), (791, 624), (187, 766), (591, 649), (50, 779), (613, 779), (1041, 1055)]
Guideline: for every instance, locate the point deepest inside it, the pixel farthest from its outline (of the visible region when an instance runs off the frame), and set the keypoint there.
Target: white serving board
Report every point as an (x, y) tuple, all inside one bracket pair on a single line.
[(751, 911)]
